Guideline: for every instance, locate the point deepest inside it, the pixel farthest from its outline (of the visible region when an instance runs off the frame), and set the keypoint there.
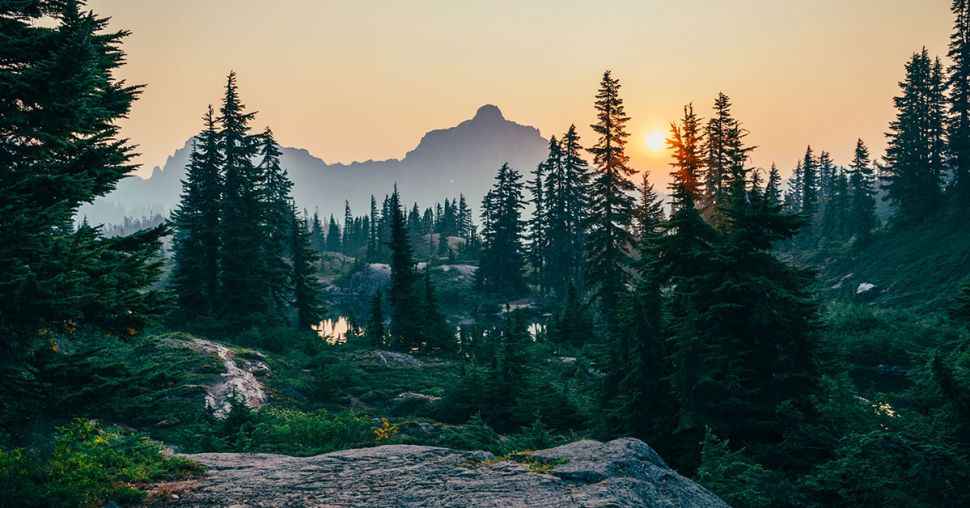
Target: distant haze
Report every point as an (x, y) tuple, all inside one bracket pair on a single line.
[(444, 164), (362, 80)]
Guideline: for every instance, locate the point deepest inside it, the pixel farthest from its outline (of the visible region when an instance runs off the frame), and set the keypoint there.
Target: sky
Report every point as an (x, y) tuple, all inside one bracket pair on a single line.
[(364, 79)]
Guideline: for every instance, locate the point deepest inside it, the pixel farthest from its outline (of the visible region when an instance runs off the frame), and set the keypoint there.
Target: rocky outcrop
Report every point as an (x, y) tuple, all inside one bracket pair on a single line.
[(623, 472), (237, 381)]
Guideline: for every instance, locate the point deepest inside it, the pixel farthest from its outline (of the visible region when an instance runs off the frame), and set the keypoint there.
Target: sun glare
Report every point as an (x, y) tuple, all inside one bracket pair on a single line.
[(655, 141)]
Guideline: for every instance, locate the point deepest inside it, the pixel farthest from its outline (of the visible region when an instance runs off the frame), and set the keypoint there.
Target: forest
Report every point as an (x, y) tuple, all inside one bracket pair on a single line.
[(797, 341)]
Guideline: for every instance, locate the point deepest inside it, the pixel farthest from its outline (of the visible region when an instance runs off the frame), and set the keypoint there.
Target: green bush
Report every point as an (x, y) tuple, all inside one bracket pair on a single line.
[(282, 430), (85, 464)]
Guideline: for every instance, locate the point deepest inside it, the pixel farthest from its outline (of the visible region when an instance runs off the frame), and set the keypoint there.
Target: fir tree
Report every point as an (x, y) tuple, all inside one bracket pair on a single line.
[(724, 149), (502, 259), (862, 213), (61, 148), (438, 336), (566, 187), (958, 124), (914, 157), (538, 223), (348, 239), (195, 276), (246, 293), (809, 184), (375, 324), (649, 212), (611, 207), (406, 315), (333, 236), (317, 237), (686, 143), (278, 219), (306, 286)]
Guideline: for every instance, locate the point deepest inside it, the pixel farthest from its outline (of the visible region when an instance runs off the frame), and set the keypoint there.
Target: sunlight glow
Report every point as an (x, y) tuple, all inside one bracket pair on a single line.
[(655, 141)]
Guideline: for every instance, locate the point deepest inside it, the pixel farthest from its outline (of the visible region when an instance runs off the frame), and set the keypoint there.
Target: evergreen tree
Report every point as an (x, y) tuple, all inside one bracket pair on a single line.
[(862, 213), (538, 224), (373, 240), (636, 396), (773, 187), (915, 158), (278, 219), (809, 184), (246, 293), (348, 238), (649, 211), (502, 259), (195, 276), (317, 238), (958, 124), (743, 323), (566, 186), (438, 336), (333, 236), (573, 325), (61, 148), (406, 306), (611, 206), (724, 150), (375, 325), (306, 286), (686, 143), (464, 219)]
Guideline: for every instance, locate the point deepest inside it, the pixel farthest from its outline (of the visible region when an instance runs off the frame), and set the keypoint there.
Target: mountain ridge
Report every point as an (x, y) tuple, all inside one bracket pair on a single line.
[(444, 163)]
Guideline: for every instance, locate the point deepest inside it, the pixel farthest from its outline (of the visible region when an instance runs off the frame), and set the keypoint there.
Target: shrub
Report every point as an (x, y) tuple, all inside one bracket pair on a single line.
[(85, 464)]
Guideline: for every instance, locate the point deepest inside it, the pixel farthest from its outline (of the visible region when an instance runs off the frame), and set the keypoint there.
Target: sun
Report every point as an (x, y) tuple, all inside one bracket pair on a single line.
[(655, 141)]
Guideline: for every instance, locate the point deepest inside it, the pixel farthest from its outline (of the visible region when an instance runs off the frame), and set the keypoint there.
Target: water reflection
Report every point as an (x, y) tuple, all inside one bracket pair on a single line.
[(333, 331)]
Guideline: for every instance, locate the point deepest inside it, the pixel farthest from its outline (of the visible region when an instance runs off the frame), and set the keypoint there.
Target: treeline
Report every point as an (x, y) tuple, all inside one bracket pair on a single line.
[(366, 236), (243, 256)]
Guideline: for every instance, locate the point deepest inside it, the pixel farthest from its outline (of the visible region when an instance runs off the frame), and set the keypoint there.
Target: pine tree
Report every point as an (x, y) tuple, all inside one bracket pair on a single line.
[(502, 259), (566, 189), (809, 184), (246, 293), (373, 240), (649, 212), (306, 286), (438, 335), (862, 213), (317, 238), (538, 224), (635, 393), (278, 219), (611, 206), (348, 239), (686, 143), (914, 157), (195, 276), (406, 315), (465, 221), (724, 149), (773, 188), (61, 148), (375, 325), (333, 236), (958, 124)]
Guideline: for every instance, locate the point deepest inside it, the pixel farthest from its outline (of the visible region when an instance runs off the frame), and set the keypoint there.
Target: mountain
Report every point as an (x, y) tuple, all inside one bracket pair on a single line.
[(445, 163)]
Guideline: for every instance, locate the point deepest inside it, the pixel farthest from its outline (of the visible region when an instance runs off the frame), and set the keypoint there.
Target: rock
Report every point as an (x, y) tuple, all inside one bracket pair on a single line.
[(624, 472), (402, 359), (867, 291), (235, 382), (413, 395)]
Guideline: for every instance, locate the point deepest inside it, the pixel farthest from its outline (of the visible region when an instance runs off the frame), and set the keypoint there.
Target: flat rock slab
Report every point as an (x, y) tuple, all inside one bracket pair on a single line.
[(623, 472)]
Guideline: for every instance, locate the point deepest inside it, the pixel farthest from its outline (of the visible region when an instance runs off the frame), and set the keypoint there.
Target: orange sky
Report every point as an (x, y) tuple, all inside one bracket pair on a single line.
[(359, 80)]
